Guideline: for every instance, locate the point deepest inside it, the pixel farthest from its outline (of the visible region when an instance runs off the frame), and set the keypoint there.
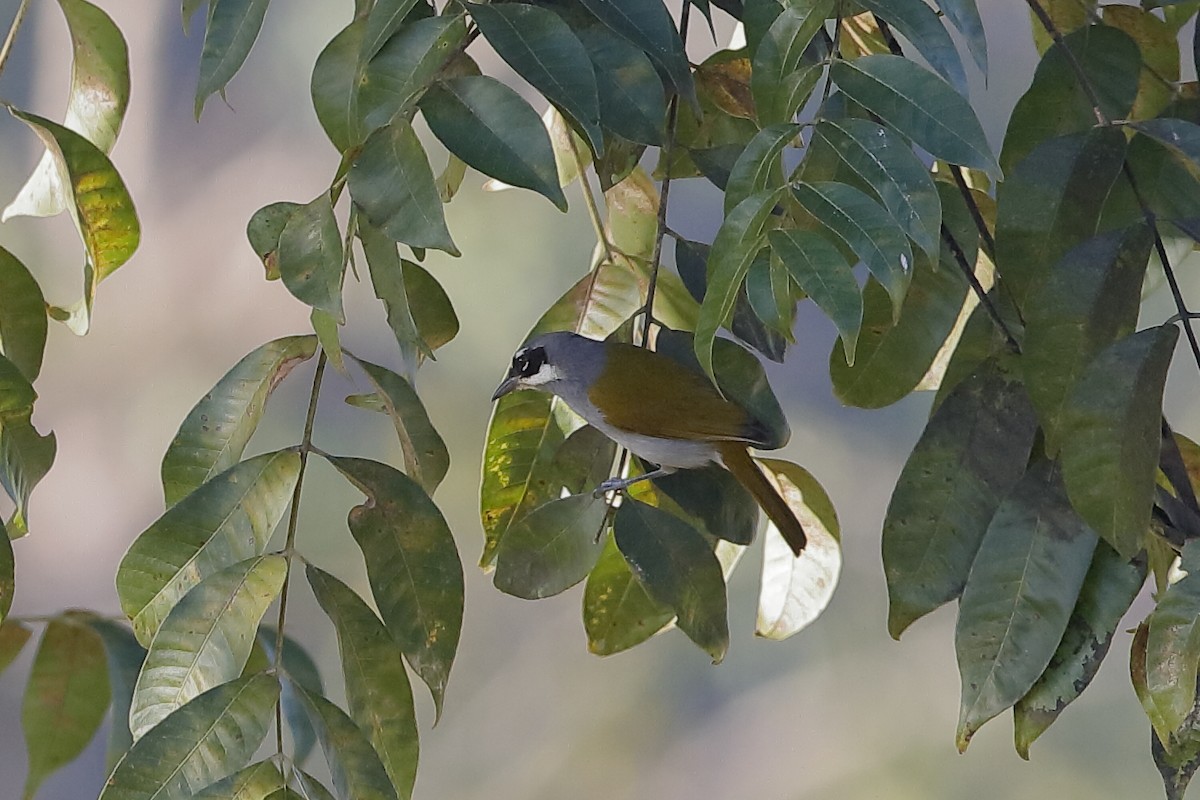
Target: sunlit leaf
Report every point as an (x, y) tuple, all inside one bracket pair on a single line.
[(255, 782), (617, 611), (1019, 596), (357, 771), (206, 638), (778, 81), (490, 126), (210, 738), (1158, 51), (1110, 436), (377, 689), (552, 548), (310, 257), (232, 28), (632, 103), (426, 458), (395, 78), (724, 79), (100, 204), (65, 700), (650, 27), (214, 434), (1089, 299), (95, 105), (1108, 590), (125, 657), (228, 519), (678, 569), (413, 565), (393, 184), (796, 589), (920, 105)]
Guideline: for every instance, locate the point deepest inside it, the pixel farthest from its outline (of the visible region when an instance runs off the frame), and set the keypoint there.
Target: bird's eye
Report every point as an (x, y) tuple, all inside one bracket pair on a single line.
[(527, 363)]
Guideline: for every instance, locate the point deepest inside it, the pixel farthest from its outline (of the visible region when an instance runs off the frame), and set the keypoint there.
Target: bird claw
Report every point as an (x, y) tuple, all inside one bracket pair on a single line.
[(610, 485)]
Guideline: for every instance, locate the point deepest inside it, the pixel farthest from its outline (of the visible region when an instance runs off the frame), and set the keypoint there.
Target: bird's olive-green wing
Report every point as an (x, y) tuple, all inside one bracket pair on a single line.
[(649, 394)]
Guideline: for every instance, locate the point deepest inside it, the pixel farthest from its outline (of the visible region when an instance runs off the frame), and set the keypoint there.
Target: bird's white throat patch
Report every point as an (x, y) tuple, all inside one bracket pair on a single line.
[(545, 374)]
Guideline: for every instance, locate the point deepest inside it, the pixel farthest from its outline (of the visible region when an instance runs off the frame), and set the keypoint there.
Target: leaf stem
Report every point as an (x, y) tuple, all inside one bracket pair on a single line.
[(589, 200), (6, 48), (306, 447)]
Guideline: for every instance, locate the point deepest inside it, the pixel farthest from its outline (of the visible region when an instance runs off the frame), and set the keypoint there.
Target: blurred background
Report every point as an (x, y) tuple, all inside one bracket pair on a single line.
[(839, 711)]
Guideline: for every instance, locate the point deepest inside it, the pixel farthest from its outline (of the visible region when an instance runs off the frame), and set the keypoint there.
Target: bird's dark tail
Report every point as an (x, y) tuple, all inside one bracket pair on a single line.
[(737, 460)]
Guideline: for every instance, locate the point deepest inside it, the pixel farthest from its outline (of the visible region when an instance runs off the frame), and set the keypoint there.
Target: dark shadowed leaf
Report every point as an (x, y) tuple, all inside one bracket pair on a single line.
[(232, 27), (66, 698), (1089, 299), (920, 105), (334, 86), (310, 257), (821, 271), (490, 126), (413, 565), (964, 16), (125, 657), (972, 452), (778, 80), (426, 458), (917, 22), (22, 317), (650, 27), (551, 548), (207, 740), (393, 184), (95, 105), (357, 771), (1110, 436), (1019, 596), (393, 80), (255, 782), (632, 103), (214, 434), (377, 689), (228, 519), (677, 567), (617, 612), (1108, 590), (205, 640)]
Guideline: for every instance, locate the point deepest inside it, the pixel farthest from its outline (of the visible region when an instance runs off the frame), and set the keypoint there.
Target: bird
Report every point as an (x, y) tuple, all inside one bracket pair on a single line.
[(665, 413)]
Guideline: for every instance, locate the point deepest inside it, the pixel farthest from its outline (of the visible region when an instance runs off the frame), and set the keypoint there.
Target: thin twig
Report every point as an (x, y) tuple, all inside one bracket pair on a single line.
[(589, 200), (960, 258), (6, 48), (1076, 67), (290, 544), (835, 52)]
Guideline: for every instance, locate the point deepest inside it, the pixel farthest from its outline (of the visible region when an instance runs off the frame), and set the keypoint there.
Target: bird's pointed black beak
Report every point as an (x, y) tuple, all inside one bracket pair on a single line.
[(509, 384)]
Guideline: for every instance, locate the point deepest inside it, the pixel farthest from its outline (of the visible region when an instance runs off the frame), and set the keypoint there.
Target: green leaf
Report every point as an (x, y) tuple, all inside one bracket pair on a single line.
[(1172, 652), (630, 92), (650, 27), (334, 87), (490, 126), (1056, 103), (255, 782), (65, 700), (796, 589), (313, 789), (1109, 588), (426, 458), (771, 295), (543, 50), (759, 168), (552, 548), (618, 613), (972, 452), (1110, 436), (1019, 597), (1051, 202), (779, 83), (125, 657), (1179, 136), (527, 428), (964, 16), (328, 337), (432, 311), (920, 105), (310, 257), (1089, 299), (263, 231), (96, 103), (210, 738), (228, 519), (13, 636), (206, 638), (868, 229), (677, 567), (299, 667), (413, 565), (100, 204), (385, 20), (737, 242), (215, 432), (8, 585), (25, 455), (377, 689), (357, 771), (392, 183), (892, 170), (22, 317), (890, 360), (232, 28), (393, 80), (387, 278), (917, 23), (1158, 47), (820, 270)]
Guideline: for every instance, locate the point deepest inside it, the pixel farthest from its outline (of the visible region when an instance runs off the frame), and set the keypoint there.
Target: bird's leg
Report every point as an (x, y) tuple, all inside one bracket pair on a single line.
[(620, 484)]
